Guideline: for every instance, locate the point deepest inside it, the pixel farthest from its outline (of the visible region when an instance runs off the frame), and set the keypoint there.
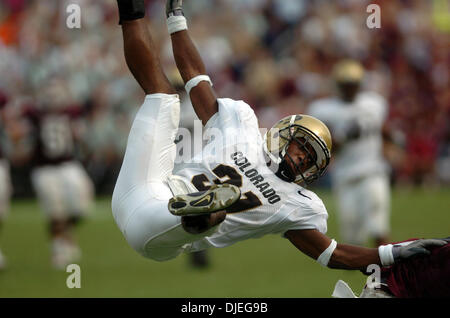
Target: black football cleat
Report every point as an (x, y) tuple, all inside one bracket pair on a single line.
[(218, 197), (199, 259)]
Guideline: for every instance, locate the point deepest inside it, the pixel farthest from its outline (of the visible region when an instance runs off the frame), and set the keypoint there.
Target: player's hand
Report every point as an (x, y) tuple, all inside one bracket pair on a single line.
[(416, 248), (174, 7)]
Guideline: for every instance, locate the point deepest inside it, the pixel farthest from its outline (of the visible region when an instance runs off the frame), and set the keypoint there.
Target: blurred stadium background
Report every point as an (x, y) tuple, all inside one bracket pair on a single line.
[(277, 55)]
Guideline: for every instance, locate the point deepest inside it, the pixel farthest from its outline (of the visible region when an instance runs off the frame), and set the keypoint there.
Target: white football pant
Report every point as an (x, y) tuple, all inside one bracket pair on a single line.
[(141, 194), (364, 209), (63, 190)]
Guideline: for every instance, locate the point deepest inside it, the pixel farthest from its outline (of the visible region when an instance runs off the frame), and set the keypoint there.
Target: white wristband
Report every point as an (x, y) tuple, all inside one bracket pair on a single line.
[(176, 23), (195, 81), (324, 258), (386, 256)]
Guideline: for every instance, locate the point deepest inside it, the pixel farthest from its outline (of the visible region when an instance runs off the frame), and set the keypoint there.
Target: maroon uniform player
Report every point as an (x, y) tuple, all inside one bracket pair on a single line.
[(425, 276), (421, 276), (63, 187)]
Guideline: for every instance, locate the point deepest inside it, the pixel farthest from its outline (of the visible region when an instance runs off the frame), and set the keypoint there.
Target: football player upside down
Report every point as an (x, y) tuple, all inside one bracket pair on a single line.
[(241, 185)]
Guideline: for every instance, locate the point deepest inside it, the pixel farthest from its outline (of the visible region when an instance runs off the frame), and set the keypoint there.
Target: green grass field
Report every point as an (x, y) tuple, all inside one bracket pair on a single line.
[(268, 267)]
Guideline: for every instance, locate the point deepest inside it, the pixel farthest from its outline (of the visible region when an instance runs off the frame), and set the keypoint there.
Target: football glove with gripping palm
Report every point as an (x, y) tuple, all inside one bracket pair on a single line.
[(416, 248)]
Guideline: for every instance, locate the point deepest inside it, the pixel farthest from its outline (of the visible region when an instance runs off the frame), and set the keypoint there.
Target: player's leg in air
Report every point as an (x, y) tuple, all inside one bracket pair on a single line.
[(145, 190)]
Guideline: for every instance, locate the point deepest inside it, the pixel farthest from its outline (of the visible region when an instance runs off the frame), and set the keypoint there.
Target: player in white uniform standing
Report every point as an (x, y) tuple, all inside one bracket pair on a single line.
[(240, 196), (359, 172)]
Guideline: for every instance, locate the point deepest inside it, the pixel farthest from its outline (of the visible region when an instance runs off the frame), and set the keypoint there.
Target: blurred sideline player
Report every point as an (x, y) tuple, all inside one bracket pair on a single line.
[(198, 259), (417, 277), (5, 182), (249, 187), (64, 189), (359, 173)]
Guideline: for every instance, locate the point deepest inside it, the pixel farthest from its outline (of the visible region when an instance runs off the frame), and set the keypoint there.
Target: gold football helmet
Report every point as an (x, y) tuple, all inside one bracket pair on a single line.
[(348, 71), (304, 130)]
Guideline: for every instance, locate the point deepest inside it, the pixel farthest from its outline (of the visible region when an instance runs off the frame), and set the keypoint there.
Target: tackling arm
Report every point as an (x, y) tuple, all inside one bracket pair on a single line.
[(191, 65), (315, 244)]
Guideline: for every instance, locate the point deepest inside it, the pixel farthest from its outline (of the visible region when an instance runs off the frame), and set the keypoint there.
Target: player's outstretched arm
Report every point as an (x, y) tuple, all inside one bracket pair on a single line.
[(140, 52), (343, 256), (190, 63)]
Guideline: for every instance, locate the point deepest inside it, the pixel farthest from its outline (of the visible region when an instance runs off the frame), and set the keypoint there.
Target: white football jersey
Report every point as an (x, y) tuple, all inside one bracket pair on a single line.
[(361, 156), (234, 154)]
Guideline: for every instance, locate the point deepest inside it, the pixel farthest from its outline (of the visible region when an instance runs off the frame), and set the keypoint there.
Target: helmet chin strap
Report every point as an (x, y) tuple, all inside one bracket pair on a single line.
[(284, 172), (281, 170)]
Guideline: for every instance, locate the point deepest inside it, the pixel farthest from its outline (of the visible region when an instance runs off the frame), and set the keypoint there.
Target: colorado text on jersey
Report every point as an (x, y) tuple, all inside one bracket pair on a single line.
[(264, 187)]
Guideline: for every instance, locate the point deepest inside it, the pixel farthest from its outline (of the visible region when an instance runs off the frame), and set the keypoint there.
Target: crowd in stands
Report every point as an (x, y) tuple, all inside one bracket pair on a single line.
[(277, 55)]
